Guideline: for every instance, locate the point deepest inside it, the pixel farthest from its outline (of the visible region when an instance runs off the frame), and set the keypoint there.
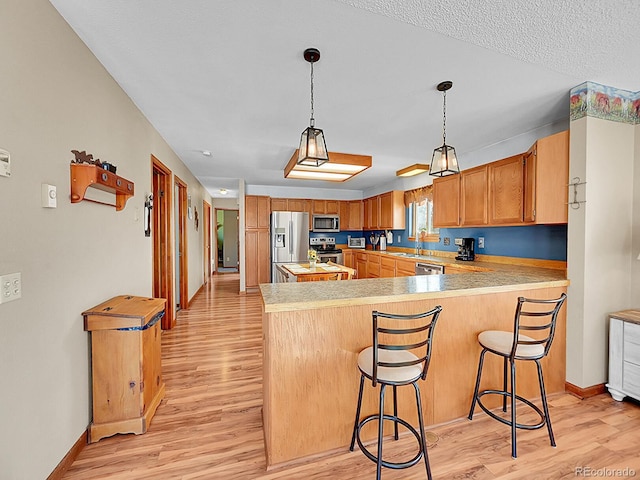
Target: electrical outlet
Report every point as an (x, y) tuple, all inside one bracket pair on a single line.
[(480, 242), (399, 238), (447, 241), (10, 287)]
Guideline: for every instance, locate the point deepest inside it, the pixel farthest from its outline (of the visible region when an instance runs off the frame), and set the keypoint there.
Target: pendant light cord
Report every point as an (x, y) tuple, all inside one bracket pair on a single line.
[(312, 122), (444, 118)]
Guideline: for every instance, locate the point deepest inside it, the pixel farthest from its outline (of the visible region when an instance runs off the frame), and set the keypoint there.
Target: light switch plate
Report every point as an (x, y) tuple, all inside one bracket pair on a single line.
[(10, 287)]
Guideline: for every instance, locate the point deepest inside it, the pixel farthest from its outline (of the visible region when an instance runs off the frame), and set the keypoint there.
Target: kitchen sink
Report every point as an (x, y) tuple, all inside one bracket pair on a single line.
[(402, 254)]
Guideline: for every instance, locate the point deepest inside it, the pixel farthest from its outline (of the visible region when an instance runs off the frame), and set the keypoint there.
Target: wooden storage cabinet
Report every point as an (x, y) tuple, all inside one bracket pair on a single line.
[(546, 177), (624, 354), (446, 201), (405, 268), (474, 194), (361, 264), (256, 211), (257, 240), (126, 368), (385, 211), (387, 267), (506, 192)]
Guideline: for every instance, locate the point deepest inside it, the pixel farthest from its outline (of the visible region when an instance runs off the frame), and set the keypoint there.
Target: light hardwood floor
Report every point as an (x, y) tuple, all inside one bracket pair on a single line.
[(209, 425)]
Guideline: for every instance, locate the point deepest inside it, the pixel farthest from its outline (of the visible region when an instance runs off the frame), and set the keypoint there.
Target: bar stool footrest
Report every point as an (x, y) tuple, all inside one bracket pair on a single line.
[(535, 426), (393, 465)]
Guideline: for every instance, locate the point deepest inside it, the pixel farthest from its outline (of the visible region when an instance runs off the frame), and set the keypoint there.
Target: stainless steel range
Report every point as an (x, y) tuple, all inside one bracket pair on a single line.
[(326, 248)]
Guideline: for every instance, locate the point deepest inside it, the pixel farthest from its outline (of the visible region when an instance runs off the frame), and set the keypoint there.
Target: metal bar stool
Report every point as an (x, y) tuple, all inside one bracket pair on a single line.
[(531, 315), (390, 361)]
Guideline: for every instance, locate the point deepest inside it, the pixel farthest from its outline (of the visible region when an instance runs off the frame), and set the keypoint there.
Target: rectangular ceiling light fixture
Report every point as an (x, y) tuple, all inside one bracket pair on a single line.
[(339, 168), (413, 170)]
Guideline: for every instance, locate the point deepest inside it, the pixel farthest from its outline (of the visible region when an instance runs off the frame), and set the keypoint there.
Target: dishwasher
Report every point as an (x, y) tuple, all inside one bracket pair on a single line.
[(429, 269)]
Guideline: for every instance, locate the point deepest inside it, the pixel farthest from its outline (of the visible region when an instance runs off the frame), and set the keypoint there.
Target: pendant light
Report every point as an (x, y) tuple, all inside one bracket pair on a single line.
[(313, 150), (444, 161)]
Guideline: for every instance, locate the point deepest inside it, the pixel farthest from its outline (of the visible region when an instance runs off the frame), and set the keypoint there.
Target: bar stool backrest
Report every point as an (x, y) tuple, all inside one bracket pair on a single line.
[(420, 337), (539, 316)]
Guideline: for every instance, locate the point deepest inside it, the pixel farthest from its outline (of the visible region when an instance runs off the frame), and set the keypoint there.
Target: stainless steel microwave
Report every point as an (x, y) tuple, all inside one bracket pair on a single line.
[(326, 223)]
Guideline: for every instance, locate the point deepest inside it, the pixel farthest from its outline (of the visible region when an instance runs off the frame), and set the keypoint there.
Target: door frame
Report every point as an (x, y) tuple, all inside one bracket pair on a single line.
[(206, 216), (162, 191), (181, 248), (215, 213)]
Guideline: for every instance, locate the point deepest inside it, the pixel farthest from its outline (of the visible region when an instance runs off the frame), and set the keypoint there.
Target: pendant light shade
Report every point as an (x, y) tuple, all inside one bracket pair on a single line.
[(444, 160), (313, 149)]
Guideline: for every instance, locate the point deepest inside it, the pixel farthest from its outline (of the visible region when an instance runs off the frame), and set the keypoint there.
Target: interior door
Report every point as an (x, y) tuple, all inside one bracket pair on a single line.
[(161, 230)]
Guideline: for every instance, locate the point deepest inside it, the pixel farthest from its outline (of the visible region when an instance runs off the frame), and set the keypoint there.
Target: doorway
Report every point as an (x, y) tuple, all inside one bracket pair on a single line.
[(180, 229), (162, 253), (227, 241)]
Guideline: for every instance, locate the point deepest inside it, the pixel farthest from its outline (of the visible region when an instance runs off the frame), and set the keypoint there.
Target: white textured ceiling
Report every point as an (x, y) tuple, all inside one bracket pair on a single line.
[(228, 75)]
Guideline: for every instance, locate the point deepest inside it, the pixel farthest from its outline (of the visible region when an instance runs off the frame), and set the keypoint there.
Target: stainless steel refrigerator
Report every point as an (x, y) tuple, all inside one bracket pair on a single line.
[(289, 239)]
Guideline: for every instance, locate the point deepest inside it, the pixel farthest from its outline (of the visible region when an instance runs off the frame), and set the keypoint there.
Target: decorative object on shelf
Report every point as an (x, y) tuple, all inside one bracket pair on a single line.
[(342, 167), (84, 157), (312, 256), (575, 182), (444, 161), (85, 175), (313, 149), (412, 170), (148, 206)]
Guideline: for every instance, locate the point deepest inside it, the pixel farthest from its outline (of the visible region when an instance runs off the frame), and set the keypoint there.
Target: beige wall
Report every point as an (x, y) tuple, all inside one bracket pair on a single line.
[(599, 249), (55, 97)]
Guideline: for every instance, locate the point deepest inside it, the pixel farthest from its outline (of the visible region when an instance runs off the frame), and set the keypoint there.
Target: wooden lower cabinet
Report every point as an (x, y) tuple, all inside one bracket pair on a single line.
[(387, 267), (348, 259), (361, 264), (126, 370), (373, 266), (405, 268), (257, 255)]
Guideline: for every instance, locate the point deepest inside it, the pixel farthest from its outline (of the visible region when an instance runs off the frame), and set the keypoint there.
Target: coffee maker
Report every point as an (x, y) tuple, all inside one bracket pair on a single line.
[(465, 249)]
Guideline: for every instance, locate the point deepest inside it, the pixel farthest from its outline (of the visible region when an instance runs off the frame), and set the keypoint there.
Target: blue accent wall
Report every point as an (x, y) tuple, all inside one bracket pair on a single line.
[(547, 242)]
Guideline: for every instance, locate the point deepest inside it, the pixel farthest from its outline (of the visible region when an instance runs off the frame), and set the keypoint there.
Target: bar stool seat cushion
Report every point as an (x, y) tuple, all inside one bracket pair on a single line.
[(502, 342), (390, 374)]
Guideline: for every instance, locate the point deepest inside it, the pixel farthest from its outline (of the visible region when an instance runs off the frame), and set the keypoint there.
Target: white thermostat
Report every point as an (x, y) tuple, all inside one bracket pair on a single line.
[(5, 163)]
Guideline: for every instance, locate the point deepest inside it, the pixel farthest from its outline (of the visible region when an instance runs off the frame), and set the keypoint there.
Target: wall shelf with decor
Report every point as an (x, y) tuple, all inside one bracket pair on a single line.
[(84, 176)]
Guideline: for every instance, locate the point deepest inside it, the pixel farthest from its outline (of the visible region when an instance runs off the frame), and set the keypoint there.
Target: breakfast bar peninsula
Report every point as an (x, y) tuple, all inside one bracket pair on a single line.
[(313, 332)]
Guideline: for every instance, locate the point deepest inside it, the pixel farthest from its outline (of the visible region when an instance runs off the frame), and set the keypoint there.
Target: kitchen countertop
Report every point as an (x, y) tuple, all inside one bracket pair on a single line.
[(494, 277)]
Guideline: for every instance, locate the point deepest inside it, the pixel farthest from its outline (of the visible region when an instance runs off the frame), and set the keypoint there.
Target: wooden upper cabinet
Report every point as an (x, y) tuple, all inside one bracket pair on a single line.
[(446, 201), (506, 192), (474, 196), (392, 211), (546, 179), (279, 205), (371, 213), (355, 215), (331, 207), (529, 214), (257, 211), (297, 205)]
